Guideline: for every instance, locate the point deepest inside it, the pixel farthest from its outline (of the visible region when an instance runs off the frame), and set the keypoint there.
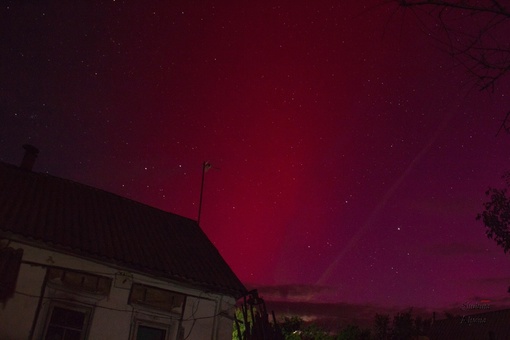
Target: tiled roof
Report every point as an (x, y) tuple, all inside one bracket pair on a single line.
[(78, 219), (493, 325)]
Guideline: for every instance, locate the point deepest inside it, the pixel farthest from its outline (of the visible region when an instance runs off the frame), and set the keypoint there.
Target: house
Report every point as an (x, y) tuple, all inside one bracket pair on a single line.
[(78, 262), (490, 325)]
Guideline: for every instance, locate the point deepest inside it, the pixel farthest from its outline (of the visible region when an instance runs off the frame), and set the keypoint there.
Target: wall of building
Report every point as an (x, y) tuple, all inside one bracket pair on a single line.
[(202, 315)]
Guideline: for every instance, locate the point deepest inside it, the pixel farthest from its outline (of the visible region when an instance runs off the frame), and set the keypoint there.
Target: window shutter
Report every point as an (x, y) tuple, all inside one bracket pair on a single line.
[(10, 262)]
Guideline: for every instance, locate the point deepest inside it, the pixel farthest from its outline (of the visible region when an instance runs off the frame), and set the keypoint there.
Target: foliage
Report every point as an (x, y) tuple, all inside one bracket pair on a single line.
[(314, 332), (382, 326), (496, 217), (353, 332), (422, 326), (290, 326), (403, 326), (252, 323), (239, 326), (474, 33), (294, 336), (293, 328)]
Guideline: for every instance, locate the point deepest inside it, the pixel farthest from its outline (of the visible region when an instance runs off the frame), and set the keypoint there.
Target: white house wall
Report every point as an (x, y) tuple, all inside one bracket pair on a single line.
[(16, 315), (206, 315)]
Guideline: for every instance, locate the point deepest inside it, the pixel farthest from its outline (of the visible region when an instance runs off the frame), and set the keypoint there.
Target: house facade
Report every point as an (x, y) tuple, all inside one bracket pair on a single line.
[(77, 262)]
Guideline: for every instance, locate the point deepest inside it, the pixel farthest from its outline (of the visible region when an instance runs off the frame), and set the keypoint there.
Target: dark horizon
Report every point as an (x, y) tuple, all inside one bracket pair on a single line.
[(336, 315)]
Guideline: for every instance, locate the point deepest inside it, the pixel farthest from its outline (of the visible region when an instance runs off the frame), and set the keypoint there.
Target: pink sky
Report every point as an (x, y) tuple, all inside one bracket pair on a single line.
[(350, 154)]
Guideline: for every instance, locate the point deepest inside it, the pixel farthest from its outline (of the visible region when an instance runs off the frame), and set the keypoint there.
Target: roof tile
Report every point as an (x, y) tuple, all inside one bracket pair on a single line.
[(97, 224)]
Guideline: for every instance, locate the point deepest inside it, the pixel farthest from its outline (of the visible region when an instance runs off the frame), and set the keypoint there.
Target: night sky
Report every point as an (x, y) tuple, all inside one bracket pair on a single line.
[(350, 154)]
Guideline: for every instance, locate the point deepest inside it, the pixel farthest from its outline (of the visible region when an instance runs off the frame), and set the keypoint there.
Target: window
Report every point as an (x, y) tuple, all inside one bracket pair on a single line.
[(156, 298), (67, 322), (156, 312), (150, 332), (145, 329), (72, 295), (80, 281)]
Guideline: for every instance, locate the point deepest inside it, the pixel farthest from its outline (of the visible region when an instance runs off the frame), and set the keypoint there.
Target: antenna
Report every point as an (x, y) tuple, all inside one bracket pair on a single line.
[(205, 167)]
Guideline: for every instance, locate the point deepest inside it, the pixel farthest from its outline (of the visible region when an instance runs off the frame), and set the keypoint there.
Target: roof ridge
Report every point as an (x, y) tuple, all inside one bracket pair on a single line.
[(90, 187), (105, 226)]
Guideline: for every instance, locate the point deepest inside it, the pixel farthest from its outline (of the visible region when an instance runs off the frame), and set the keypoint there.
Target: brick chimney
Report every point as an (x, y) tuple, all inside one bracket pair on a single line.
[(31, 153)]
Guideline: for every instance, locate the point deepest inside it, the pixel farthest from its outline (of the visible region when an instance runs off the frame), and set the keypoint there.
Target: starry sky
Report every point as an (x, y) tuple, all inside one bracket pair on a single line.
[(350, 154)]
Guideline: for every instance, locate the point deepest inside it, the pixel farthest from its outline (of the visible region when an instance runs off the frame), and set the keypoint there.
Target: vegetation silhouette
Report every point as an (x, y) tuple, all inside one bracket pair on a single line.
[(475, 34), (402, 326)]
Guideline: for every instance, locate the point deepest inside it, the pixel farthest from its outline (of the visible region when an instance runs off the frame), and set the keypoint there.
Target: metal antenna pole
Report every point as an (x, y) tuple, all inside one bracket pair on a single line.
[(204, 165)]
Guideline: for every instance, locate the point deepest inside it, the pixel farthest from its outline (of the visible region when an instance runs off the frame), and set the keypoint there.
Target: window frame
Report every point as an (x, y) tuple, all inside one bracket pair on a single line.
[(176, 300), (167, 327), (10, 264), (65, 279), (87, 310), (155, 315)]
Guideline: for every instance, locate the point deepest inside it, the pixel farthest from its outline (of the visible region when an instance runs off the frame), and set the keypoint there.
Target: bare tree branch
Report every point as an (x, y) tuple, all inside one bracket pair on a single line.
[(472, 6), (474, 33), (506, 126)]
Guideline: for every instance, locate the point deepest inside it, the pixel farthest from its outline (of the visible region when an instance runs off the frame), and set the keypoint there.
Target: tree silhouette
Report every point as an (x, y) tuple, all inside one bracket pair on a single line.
[(474, 33), (496, 216), (353, 332), (382, 326), (291, 326), (403, 326)]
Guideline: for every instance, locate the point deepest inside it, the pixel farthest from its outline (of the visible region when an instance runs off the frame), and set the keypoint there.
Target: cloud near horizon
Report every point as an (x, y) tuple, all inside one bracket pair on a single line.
[(293, 300), (337, 315), (296, 300), (294, 292)]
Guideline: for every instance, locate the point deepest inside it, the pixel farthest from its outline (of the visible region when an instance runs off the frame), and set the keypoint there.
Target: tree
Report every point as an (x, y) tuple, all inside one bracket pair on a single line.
[(496, 215), (403, 326), (382, 326), (474, 32), (294, 328), (291, 327), (422, 326), (314, 332), (353, 332)]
